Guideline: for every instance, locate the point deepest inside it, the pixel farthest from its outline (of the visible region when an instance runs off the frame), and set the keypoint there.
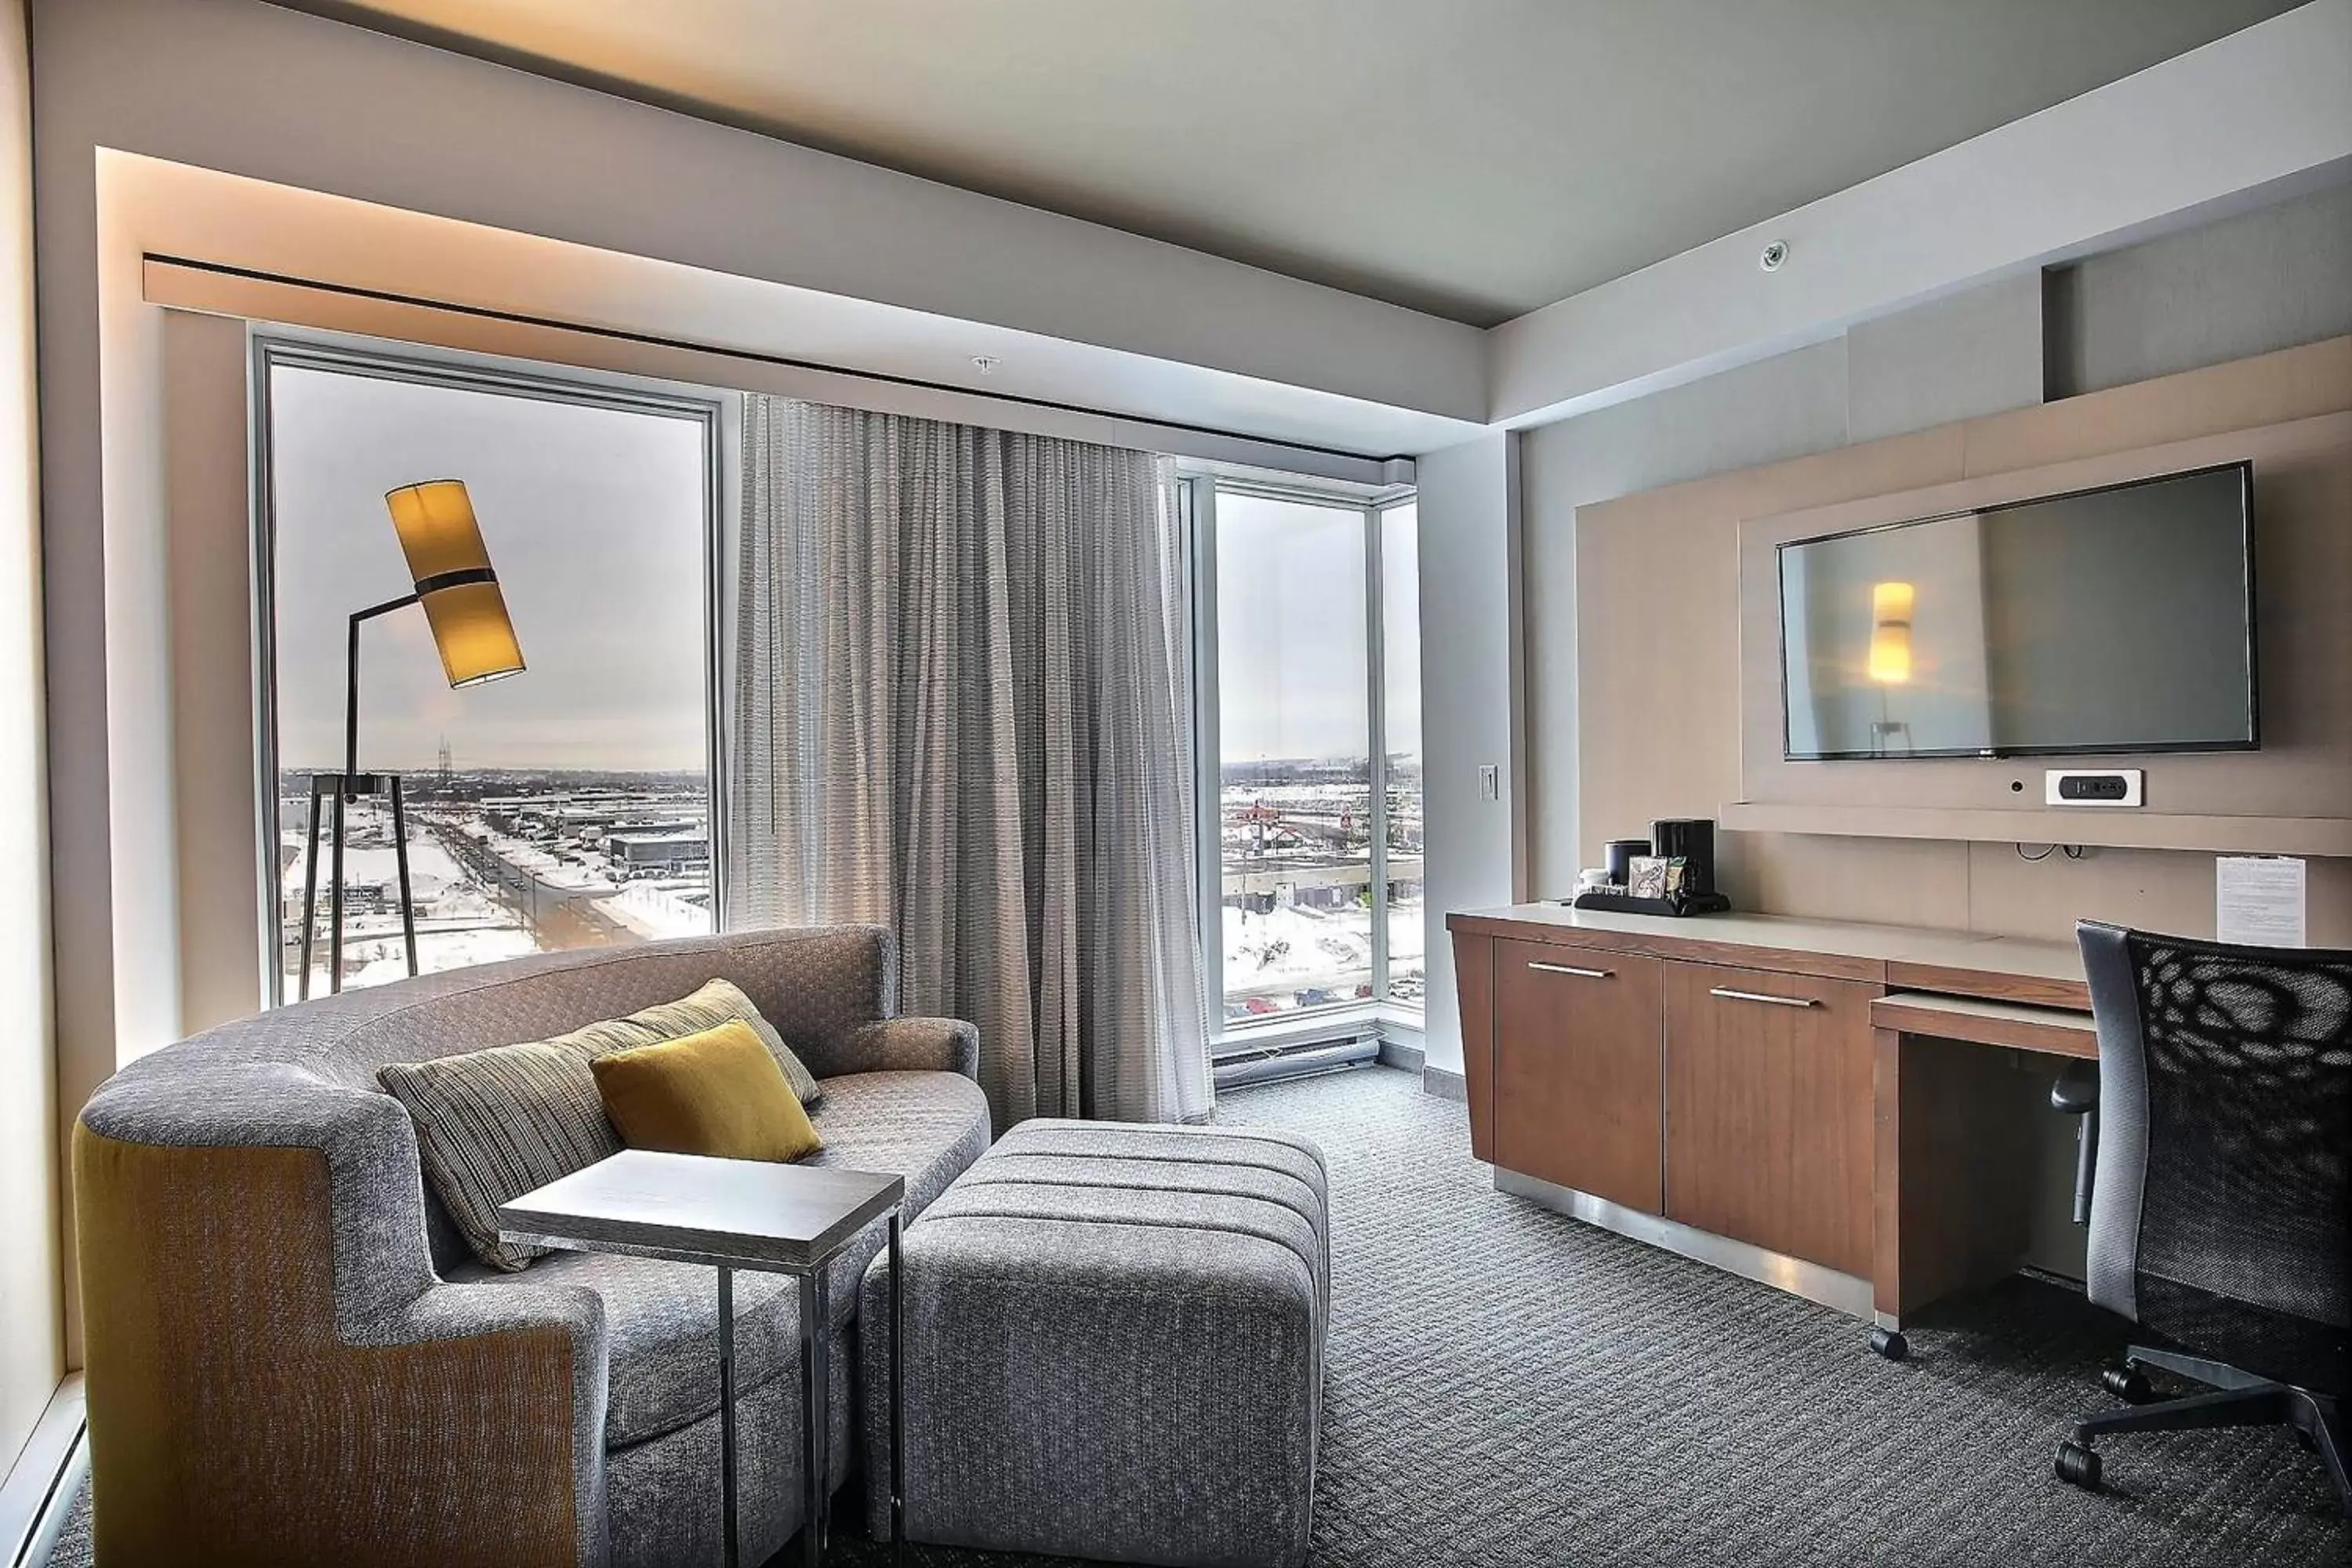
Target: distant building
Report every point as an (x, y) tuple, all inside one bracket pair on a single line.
[(671, 851)]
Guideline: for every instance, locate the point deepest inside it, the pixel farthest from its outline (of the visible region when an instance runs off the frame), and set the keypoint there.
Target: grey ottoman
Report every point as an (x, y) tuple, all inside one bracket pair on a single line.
[(1114, 1347)]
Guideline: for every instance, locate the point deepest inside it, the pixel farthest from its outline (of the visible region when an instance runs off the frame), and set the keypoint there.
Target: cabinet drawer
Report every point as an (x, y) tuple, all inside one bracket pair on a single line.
[(1768, 1099), (1577, 1091)]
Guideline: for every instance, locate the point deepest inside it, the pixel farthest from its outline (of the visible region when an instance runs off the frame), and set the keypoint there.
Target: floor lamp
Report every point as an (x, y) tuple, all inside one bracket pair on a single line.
[(450, 569)]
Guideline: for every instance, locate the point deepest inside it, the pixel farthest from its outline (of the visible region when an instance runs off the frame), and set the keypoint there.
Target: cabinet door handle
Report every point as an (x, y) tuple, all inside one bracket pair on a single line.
[(1571, 969), (1728, 995)]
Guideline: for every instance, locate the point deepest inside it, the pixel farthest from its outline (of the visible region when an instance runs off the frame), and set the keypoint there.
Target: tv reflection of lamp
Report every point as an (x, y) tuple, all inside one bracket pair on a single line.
[(1890, 632), (450, 570), (1889, 661)]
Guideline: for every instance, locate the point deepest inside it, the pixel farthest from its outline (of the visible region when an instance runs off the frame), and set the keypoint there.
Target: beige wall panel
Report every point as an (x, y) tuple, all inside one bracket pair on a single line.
[(1657, 601), (2268, 389), (2161, 889), (206, 455), (1886, 882), (1674, 721)]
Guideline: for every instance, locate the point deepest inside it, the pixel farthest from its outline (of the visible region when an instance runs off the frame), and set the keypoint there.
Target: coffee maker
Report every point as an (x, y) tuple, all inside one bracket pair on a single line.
[(1692, 840)]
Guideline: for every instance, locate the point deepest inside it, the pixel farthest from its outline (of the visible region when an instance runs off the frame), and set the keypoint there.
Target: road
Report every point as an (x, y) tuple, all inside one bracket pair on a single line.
[(559, 918)]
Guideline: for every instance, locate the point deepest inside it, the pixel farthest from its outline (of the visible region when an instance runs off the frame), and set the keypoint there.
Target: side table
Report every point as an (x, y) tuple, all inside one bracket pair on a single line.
[(732, 1215)]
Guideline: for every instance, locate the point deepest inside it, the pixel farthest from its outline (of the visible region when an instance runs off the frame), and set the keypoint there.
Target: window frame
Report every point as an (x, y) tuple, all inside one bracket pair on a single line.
[(270, 350), (1200, 487), (1409, 1015)]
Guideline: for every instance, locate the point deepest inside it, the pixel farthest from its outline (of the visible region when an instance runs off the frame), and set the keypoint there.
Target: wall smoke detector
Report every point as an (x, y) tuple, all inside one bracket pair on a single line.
[(1774, 255)]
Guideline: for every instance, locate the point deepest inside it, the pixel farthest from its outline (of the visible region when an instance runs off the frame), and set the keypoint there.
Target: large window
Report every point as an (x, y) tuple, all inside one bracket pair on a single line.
[(1317, 720), (568, 807)]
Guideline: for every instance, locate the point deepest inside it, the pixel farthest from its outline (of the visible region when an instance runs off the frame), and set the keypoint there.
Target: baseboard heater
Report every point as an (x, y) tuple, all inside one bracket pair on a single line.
[(1296, 1061)]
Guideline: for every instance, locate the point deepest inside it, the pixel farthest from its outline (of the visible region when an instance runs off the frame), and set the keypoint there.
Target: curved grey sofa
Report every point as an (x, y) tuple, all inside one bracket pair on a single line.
[(293, 1358)]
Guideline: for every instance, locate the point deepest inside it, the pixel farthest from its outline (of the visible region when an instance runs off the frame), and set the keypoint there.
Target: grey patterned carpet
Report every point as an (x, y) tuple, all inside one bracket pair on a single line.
[(1510, 1388)]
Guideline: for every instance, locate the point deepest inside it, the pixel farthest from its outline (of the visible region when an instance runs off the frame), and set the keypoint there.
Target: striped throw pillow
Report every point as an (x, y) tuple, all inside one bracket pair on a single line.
[(494, 1124)]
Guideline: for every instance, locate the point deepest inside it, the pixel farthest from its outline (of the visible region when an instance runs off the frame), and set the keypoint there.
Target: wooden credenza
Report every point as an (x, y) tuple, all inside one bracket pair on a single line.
[(1734, 1087)]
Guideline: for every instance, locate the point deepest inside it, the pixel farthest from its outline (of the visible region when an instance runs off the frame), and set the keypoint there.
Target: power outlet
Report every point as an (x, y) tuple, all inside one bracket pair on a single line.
[(2092, 786), (1490, 781)]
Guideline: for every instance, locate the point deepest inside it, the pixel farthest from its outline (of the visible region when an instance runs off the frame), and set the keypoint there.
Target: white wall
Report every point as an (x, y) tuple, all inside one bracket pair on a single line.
[(31, 1348), (1469, 702), (1968, 354), (2266, 279)]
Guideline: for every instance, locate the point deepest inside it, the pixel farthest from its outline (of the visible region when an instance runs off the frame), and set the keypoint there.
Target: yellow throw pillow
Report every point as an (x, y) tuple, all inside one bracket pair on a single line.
[(719, 1092)]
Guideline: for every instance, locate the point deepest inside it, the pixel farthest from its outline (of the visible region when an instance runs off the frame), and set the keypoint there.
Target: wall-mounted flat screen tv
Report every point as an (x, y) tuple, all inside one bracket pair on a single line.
[(2111, 620)]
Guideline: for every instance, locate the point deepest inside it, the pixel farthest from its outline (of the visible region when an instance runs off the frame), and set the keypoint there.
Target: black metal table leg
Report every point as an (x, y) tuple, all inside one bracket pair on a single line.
[(898, 1400), (823, 1408), (727, 1411), (812, 1477)]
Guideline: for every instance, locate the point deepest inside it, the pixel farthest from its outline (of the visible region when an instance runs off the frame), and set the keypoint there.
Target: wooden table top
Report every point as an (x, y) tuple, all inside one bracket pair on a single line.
[(741, 1214)]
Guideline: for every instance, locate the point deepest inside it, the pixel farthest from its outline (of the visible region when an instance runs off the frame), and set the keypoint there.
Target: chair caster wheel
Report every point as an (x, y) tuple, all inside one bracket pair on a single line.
[(2077, 1467), (1890, 1343), (2126, 1383)]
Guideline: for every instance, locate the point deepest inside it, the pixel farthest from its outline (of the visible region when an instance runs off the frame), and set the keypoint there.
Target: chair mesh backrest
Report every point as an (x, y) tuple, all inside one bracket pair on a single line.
[(2247, 1192)]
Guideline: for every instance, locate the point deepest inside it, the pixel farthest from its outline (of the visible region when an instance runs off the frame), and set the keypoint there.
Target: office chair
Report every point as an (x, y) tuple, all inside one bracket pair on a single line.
[(2224, 1191)]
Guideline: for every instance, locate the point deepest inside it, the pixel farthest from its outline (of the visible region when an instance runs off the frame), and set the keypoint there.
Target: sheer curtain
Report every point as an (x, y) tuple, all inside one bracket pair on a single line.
[(959, 709)]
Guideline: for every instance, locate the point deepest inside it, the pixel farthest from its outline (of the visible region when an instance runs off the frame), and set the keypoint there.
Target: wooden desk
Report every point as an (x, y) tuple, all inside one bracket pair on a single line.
[(1811, 1103)]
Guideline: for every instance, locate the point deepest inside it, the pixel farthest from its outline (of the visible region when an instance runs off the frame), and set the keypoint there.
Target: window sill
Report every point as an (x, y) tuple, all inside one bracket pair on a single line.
[(1372, 1020)]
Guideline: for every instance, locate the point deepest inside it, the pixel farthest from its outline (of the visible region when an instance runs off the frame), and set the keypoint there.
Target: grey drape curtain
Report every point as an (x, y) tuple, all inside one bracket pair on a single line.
[(959, 709)]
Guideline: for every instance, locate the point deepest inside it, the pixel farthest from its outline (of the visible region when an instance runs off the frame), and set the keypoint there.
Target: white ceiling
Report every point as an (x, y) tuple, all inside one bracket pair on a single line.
[(1473, 158)]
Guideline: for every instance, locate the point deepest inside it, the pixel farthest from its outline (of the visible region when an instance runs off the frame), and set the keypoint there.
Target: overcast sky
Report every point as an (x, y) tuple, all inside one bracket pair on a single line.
[(593, 519), (1290, 631)]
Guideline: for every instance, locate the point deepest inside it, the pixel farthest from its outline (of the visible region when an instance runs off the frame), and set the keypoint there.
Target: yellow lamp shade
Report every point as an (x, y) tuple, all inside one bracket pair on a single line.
[(437, 531), (471, 629), (1890, 632), (443, 542)]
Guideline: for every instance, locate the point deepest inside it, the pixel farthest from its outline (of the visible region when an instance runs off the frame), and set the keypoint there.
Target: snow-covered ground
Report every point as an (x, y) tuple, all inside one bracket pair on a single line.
[(458, 923), (1291, 957), (381, 959), (655, 910), (463, 916)]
